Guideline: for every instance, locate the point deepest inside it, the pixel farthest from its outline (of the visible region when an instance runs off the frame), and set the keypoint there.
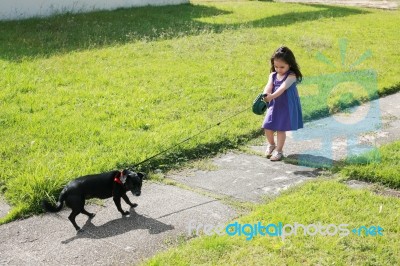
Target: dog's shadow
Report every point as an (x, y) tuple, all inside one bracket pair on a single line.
[(120, 226)]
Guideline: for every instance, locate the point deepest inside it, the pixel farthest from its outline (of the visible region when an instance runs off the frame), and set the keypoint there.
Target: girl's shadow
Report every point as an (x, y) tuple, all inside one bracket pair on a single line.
[(308, 160), (120, 226)]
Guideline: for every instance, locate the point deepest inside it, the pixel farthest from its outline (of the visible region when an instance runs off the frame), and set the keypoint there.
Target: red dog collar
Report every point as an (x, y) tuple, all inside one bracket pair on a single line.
[(118, 178)]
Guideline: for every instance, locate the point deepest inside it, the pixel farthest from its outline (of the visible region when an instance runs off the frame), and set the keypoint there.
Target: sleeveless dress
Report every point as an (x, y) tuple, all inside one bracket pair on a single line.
[(284, 112)]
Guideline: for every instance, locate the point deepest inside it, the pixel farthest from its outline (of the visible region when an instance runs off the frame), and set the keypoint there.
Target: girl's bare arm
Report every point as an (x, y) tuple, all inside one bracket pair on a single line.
[(268, 87), (285, 85)]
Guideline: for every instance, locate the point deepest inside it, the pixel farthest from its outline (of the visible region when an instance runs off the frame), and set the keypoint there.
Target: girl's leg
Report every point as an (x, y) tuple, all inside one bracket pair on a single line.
[(281, 137), (269, 134)]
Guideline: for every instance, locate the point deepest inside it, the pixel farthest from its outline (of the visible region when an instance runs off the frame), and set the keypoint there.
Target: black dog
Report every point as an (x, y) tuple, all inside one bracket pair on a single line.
[(112, 184)]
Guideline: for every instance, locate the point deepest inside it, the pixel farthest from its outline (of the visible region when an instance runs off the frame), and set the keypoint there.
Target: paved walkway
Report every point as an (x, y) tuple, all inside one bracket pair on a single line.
[(162, 216), (165, 212)]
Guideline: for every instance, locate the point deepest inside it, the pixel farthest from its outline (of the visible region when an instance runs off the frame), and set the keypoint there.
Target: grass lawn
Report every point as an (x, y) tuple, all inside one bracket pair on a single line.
[(381, 166), (86, 93), (327, 203)]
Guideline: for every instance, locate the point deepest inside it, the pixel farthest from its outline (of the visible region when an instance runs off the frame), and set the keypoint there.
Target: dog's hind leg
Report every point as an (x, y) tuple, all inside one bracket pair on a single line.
[(72, 217), (76, 203)]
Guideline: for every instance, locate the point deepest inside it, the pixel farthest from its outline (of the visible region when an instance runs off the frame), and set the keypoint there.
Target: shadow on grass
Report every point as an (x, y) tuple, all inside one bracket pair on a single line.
[(44, 37)]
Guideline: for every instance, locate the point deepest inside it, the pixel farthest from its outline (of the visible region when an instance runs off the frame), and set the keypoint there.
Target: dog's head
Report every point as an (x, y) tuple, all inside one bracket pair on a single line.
[(133, 181)]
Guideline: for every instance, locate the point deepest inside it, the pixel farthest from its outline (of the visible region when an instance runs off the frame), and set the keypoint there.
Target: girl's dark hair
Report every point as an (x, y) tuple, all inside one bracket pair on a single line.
[(285, 54)]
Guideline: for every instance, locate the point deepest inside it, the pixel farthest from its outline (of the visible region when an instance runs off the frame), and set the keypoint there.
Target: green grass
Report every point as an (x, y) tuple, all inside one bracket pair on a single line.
[(324, 202), (378, 166), (86, 93)]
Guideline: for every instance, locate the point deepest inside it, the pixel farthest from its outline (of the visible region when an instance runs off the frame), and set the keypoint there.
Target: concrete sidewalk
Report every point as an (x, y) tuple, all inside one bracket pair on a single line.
[(162, 216), (165, 212)]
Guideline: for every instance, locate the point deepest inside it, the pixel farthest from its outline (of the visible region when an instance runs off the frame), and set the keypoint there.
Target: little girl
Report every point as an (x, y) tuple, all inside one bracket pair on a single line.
[(284, 112)]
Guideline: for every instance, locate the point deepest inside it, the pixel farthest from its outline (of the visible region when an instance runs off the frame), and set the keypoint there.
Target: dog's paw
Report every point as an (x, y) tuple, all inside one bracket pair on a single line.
[(79, 231), (125, 213), (134, 205)]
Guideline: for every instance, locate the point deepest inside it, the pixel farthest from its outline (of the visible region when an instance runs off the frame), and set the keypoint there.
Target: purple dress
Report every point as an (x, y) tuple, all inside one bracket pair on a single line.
[(284, 112)]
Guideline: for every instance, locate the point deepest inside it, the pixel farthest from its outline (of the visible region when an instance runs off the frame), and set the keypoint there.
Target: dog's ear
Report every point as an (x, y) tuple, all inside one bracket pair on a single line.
[(125, 172), (141, 175), (129, 172)]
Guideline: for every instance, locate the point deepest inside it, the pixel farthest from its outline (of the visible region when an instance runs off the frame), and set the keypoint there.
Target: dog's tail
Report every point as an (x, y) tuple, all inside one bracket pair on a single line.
[(47, 206)]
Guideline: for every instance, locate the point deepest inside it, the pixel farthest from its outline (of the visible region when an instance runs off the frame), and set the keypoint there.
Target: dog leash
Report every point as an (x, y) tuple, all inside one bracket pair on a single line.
[(191, 137)]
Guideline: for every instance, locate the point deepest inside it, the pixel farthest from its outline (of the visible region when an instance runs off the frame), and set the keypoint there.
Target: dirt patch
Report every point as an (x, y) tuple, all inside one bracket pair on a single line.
[(390, 192), (380, 190), (4, 207)]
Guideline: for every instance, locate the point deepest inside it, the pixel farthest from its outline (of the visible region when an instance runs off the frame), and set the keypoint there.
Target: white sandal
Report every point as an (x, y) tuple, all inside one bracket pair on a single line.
[(277, 156), (270, 150)]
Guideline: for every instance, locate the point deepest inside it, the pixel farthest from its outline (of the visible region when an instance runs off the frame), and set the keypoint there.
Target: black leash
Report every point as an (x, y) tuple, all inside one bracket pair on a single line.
[(189, 138)]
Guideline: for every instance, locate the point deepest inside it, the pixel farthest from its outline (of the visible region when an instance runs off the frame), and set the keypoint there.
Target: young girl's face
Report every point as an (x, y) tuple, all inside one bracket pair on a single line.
[(281, 67)]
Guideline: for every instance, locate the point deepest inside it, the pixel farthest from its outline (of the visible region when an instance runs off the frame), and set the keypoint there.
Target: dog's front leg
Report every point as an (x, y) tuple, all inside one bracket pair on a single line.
[(117, 201), (126, 199)]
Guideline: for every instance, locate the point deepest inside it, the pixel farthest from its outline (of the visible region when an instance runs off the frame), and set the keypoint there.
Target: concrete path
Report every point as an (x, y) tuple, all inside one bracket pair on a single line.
[(165, 212), (162, 216), (246, 177)]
